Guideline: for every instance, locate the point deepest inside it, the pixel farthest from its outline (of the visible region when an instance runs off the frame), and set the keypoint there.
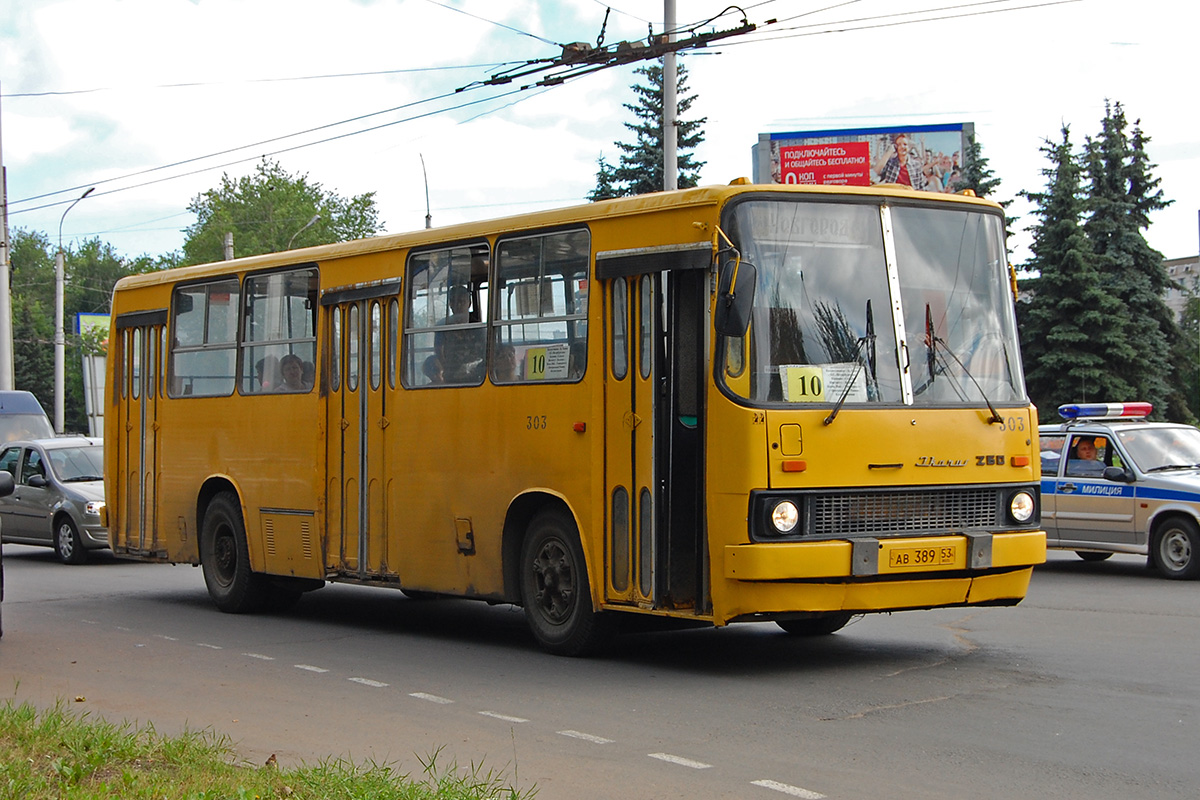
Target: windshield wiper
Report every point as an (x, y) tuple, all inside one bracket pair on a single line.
[(81, 478), (858, 364), (1166, 467)]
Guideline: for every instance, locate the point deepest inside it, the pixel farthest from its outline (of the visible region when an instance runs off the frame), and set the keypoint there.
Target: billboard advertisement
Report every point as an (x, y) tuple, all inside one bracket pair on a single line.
[(926, 157)]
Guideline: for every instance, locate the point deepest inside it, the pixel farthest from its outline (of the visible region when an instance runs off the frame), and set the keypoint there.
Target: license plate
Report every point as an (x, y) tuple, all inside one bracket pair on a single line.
[(921, 558)]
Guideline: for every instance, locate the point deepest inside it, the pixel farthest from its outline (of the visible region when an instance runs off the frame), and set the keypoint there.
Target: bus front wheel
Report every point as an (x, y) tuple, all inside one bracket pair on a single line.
[(555, 590), (225, 558)]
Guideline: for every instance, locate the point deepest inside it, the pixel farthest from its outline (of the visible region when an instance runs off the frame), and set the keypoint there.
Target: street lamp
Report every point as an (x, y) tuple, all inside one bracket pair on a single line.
[(307, 225), (60, 340)]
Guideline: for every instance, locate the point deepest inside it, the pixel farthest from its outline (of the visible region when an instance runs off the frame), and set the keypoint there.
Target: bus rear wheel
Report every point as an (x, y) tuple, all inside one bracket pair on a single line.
[(225, 558), (555, 590), (815, 626)]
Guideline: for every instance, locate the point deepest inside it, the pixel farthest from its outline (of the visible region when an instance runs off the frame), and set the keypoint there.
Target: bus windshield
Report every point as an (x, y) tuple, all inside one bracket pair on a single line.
[(849, 294)]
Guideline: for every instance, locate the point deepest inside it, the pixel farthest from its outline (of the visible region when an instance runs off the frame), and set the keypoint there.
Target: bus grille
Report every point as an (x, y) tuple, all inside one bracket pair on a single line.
[(901, 512)]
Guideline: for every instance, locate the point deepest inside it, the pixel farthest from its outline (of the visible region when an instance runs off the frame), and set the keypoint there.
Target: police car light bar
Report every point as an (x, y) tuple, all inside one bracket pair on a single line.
[(1093, 410)]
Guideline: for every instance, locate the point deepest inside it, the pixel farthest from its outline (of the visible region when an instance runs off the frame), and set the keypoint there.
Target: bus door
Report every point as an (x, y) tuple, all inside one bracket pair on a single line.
[(654, 546), (358, 429), (142, 384)]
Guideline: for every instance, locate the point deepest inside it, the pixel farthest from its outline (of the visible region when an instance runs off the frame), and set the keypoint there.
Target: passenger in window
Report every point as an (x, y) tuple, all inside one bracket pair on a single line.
[(309, 374), (506, 364), (267, 370), (291, 368), (461, 351), (433, 370), (1084, 461), (577, 361)]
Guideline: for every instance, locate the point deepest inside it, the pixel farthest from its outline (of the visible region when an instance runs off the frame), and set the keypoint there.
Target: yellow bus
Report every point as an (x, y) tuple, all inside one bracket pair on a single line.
[(714, 405)]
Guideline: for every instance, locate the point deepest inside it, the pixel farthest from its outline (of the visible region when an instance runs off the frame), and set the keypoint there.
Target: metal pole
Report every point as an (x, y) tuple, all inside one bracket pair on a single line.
[(60, 340), (6, 342), (670, 104)]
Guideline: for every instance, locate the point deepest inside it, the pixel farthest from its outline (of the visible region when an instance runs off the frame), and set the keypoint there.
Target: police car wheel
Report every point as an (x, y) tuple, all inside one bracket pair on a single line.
[(1177, 549)]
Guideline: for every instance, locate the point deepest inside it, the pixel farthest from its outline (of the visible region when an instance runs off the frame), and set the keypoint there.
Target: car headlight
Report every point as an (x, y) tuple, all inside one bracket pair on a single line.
[(94, 507), (785, 516), (1021, 507)]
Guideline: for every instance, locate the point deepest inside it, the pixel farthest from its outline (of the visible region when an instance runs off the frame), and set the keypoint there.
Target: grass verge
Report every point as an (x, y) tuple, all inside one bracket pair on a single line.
[(56, 754)]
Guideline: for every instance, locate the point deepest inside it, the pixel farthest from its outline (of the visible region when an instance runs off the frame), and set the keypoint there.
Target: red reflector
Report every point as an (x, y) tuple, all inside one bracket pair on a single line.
[(580, 427), (795, 466), (1019, 461)]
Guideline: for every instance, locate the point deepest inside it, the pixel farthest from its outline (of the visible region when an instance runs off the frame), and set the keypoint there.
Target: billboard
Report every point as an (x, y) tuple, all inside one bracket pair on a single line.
[(925, 157)]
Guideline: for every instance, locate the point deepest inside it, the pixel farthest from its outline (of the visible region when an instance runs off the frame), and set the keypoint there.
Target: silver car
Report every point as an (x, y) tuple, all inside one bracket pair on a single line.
[(1112, 482), (58, 496)]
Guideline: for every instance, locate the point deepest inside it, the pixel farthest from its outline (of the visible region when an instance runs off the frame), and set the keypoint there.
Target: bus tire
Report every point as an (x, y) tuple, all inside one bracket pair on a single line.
[(1176, 548), (67, 544), (555, 590), (225, 558), (823, 625)]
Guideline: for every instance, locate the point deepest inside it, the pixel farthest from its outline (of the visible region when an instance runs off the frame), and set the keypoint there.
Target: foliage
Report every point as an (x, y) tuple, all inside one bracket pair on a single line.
[(268, 212), (1097, 326), (981, 178), (640, 170), (54, 754)]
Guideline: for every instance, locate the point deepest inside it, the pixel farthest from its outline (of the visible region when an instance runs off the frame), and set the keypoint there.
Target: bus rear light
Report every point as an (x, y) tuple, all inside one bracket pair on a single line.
[(795, 466)]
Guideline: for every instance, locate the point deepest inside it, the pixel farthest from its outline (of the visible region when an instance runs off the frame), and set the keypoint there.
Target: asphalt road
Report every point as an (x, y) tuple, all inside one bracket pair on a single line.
[(1088, 689)]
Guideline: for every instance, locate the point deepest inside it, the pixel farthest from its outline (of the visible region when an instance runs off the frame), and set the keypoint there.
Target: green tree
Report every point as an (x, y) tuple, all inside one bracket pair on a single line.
[(1072, 328), (267, 212), (1122, 194), (640, 169), (980, 178)]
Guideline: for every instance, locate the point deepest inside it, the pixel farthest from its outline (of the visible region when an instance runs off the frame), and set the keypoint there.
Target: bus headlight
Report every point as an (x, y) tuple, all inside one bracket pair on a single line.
[(1021, 507), (785, 516)]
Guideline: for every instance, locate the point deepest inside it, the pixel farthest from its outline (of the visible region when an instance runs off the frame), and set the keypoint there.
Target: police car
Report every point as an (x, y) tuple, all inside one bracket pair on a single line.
[(1114, 483)]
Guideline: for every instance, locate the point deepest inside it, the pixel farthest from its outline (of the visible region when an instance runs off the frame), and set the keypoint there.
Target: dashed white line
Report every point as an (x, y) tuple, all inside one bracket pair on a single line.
[(587, 737), (310, 668), (680, 760), (433, 698), (209, 646), (794, 791), (168, 638), (368, 682), (504, 717), (259, 656)]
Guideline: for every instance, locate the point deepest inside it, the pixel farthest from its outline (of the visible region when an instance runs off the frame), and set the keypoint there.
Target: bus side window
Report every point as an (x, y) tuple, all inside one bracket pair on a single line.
[(540, 332), (445, 317)]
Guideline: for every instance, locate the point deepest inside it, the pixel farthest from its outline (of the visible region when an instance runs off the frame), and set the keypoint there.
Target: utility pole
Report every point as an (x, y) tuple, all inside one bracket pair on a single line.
[(60, 340), (6, 341), (670, 104)]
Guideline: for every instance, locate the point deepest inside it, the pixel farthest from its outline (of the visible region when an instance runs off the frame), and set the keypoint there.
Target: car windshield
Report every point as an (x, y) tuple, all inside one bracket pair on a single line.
[(84, 463), (1161, 449), (875, 304), (24, 426)]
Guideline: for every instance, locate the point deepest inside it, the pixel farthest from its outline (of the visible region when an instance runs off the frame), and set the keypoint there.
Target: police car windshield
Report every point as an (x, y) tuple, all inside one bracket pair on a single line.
[(1161, 449), (825, 327)]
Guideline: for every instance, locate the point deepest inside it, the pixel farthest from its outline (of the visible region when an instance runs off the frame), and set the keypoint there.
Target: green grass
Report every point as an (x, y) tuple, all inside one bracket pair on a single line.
[(57, 754)]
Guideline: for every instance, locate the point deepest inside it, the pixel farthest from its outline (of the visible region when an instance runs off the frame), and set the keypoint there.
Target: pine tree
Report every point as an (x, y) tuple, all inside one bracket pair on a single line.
[(1122, 194), (640, 169), (981, 178), (1072, 329)]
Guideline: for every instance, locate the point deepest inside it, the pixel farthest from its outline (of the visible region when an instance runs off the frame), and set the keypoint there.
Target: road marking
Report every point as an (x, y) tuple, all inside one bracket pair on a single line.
[(680, 760), (209, 646), (587, 737), (259, 656), (368, 682), (794, 791), (168, 638), (310, 668), (433, 698), (504, 717)]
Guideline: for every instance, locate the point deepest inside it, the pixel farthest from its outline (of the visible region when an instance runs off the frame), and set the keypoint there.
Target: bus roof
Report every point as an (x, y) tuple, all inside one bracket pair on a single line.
[(604, 209)]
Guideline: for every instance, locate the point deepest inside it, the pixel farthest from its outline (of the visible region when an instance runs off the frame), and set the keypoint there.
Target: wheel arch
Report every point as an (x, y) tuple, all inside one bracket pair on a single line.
[(521, 512), (213, 486), (1164, 515)]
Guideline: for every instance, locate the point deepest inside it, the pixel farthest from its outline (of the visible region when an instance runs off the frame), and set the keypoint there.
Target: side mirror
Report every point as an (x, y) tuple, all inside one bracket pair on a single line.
[(735, 297), (1118, 474), (37, 482), (6, 483)]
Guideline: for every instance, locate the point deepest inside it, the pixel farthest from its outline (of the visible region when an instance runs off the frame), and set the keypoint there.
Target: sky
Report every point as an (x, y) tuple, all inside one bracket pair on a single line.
[(151, 101)]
